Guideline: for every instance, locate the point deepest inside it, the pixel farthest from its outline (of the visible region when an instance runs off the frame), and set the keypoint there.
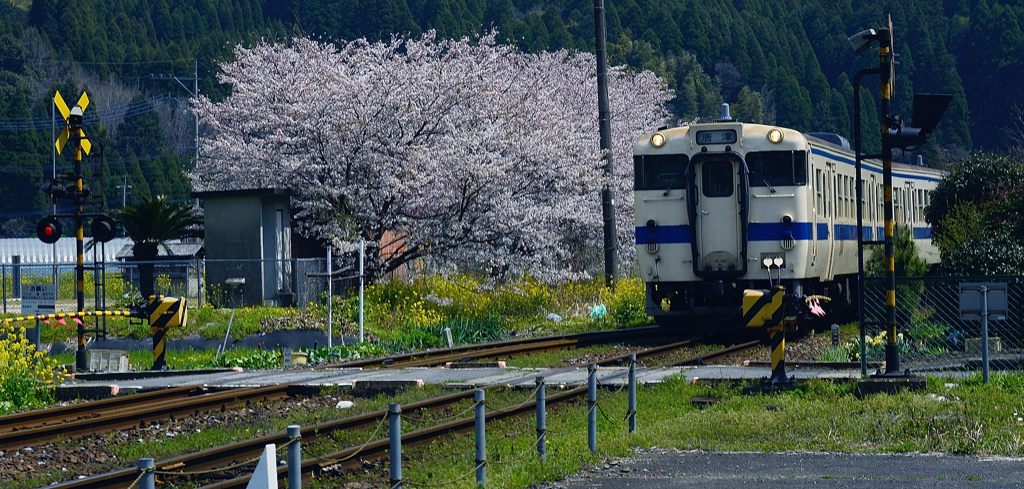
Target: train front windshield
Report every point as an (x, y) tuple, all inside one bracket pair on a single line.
[(660, 172), (777, 168)]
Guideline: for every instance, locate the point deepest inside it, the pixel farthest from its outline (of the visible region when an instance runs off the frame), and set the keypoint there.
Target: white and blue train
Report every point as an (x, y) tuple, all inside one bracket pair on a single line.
[(717, 201)]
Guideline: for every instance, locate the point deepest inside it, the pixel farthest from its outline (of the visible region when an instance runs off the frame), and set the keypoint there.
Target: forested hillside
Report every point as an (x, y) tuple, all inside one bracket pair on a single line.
[(782, 62)]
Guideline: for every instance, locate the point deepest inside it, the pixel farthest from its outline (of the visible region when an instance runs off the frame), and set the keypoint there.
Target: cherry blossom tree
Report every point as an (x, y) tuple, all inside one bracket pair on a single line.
[(466, 151)]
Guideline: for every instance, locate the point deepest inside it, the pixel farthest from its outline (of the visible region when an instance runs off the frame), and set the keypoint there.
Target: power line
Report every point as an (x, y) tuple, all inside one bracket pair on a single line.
[(132, 110), (96, 63)]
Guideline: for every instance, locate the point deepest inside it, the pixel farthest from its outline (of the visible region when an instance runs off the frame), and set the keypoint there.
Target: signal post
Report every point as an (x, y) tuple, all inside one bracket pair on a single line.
[(49, 229), (927, 110)]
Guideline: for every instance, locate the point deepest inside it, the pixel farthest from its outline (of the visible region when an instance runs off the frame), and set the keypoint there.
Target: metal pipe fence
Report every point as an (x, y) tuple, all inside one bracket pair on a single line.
[(933, 338)]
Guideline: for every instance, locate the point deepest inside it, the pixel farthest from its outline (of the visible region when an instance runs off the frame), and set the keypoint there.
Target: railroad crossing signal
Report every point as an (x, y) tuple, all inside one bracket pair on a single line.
[(48, 230), (72, 122)]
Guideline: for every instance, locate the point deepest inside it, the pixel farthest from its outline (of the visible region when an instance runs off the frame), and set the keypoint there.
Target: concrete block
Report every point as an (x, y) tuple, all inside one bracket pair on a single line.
[(972, 346), (107, 360)]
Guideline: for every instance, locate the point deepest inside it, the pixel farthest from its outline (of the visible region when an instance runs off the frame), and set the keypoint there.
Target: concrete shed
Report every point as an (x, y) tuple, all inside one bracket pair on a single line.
[(248, 247)]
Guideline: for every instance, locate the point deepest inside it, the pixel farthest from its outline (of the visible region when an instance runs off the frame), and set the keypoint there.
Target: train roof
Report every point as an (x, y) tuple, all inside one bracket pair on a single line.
[(828, 144)]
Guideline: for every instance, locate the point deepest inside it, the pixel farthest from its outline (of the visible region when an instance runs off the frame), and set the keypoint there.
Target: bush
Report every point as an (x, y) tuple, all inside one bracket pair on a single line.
[(626, 305), (27, 376), (258, 359), (995, 253)]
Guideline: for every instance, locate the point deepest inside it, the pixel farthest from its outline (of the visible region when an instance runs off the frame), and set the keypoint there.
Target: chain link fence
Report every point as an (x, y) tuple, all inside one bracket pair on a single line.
[(933, 339), (220, 283)]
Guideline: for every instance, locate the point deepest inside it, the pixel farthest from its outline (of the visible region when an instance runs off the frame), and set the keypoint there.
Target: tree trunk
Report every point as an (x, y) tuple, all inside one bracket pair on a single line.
[(145, 253)]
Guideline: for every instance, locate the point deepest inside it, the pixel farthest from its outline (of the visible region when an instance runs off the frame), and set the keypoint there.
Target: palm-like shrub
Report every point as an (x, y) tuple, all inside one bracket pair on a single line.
[(151, 224)]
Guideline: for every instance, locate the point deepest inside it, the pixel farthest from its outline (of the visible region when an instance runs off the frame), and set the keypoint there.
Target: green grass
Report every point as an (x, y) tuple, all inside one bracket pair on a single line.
[(176, 359), (409, 315), (969, 418), (820, 416)]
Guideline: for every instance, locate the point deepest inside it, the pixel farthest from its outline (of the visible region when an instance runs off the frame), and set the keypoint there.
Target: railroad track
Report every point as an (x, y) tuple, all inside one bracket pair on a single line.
[(226, 455), (376, 449), (66, 414), (245, 450), (33, 427), (440, 356)]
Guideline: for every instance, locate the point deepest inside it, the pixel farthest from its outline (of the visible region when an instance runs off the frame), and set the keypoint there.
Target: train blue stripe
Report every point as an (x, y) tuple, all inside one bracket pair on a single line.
[(770, 231), (775, 231), (679, 234), (843, 159)]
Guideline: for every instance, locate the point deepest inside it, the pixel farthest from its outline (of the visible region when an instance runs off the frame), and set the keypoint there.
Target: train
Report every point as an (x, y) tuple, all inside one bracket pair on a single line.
[(723, 206)]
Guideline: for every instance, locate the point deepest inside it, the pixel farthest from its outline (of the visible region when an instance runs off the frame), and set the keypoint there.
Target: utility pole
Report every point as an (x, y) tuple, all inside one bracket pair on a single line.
[(194, 92), (604, 120), (124, 192)]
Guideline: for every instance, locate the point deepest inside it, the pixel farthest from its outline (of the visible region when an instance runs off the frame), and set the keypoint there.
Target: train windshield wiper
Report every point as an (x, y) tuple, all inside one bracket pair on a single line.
[(765, 180), (669, 188)]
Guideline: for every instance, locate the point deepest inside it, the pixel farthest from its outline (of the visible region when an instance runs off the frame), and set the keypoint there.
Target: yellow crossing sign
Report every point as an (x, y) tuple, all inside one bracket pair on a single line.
[(67, 113)]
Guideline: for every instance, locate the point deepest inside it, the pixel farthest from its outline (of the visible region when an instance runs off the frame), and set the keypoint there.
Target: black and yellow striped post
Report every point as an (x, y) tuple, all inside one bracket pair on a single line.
[(163, 313), (767, 308), (885, 59), (73, 132)]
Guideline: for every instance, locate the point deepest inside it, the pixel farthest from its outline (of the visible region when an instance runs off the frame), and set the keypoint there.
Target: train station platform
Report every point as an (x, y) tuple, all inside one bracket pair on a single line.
[(360, 381)]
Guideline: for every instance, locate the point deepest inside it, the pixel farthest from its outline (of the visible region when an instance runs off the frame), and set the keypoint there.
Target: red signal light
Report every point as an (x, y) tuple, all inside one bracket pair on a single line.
[(48, 230)]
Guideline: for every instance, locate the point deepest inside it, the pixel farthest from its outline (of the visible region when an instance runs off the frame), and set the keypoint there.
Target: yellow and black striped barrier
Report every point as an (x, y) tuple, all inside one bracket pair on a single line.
[(63, 315), (767, 308), (162, 313)]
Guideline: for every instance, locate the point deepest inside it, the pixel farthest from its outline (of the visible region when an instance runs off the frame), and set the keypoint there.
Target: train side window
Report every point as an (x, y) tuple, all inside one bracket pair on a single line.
[(899, 206), (660, 172), (850, 196), (921, 205), (845, 212), (818, 193), (847, 197), (777, 168)]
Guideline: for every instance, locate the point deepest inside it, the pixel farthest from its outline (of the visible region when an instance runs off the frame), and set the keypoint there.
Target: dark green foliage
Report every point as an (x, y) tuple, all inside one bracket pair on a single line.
[(994, 253), (787, 64), (906, 260), (976, 216), (151, 224)]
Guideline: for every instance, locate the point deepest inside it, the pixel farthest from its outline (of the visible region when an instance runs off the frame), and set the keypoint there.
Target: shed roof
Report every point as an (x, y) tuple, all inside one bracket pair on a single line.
[(177, 249)]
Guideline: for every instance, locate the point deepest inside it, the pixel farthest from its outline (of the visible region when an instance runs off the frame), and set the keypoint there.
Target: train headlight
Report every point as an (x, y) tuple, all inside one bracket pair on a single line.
[(658, 140), (775, 136)]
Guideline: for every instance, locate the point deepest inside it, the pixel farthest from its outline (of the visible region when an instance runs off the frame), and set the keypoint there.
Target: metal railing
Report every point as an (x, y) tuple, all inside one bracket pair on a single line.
[(221, 283), (933, 339)]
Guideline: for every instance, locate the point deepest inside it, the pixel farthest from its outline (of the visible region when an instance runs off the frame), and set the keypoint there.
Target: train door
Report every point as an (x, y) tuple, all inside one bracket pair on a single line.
[(831, 201), (719, 236)]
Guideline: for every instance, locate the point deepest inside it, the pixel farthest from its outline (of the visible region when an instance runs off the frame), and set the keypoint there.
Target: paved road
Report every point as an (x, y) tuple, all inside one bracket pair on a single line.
[(665, 469)]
